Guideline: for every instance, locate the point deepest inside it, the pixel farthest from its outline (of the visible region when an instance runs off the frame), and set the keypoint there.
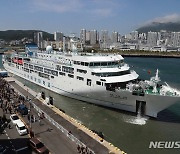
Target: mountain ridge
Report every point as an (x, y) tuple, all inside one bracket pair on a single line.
[(9, 35), (157, 26)]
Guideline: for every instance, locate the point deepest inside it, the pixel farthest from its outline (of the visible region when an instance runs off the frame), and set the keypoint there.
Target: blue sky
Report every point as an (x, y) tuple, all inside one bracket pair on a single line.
[(72, 15)]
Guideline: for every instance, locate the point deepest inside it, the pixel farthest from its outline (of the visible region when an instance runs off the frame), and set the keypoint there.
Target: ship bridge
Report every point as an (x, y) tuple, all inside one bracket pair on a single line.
[(123, 78), (118, 68), (99, 58)]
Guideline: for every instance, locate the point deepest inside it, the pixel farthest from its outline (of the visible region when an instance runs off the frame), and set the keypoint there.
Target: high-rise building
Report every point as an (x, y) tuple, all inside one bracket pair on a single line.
[(58, 36), (128, 36), (93, 37), (87, 35), (175, 39), (134, 35), (38, 39), (142, 36), (119, 38), (152, 39), (104, 36), (83, 36), (114, 37)]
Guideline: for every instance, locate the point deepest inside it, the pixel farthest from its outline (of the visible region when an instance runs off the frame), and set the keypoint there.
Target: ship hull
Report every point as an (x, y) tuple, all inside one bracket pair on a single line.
[(118, 99)]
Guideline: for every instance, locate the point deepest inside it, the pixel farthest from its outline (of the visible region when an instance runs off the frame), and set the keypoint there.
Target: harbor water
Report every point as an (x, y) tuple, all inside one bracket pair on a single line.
[(131, 133)]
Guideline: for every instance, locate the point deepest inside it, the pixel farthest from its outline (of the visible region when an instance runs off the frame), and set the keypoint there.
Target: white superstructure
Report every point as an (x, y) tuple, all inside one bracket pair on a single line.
[(100, 79)]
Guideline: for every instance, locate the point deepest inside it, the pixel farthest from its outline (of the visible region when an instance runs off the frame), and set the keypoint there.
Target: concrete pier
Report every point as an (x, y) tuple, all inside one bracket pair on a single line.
[(76, 132)]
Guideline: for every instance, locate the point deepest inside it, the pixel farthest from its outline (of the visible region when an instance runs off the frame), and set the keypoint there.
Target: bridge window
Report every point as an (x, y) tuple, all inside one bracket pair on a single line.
[(91, 64), (86, 64), (103, 63), (48, 71), (25, 65), (30, 66), (81, 71), (43, 75), (71, 76), (54, 73), (26, 70), (79, 63), (80, 78), (97, 64), (68, 69), (111, 73), (61, 73), (38, 68), (98, 82)]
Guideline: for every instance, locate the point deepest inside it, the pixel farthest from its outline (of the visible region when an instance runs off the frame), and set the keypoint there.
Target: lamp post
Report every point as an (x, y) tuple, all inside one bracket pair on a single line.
[(30, 112), (27, 93)]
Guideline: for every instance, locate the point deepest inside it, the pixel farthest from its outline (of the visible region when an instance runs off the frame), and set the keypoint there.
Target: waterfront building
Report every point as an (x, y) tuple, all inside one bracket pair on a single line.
[(164, 34), (58, 36), (119, 38), (56, 45), (128, 37), (158, 48), (143, 47), (104, 36), (14, 42), (175, 39), (152, 39), (114, 37), (134, 35), (2, 42), (74, 44), (142, 36), (104, 40)]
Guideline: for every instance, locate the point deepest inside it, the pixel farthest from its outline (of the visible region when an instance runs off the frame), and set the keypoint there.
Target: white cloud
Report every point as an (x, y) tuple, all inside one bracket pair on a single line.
[(105, 12), (102, 8), (58, 5), (105, 8), (165, 19)]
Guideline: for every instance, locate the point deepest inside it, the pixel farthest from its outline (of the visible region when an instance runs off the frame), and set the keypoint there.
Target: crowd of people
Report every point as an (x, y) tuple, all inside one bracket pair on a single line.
[(9, 101), (83, 150)]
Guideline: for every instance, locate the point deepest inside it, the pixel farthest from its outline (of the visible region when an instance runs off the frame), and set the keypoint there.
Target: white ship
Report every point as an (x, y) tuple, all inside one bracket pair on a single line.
[(99, 79)]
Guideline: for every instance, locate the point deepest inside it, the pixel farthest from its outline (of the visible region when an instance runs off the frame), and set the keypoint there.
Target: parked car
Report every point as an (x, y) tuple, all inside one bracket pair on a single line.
[(37, 146), (14, 119), (21, 128)]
